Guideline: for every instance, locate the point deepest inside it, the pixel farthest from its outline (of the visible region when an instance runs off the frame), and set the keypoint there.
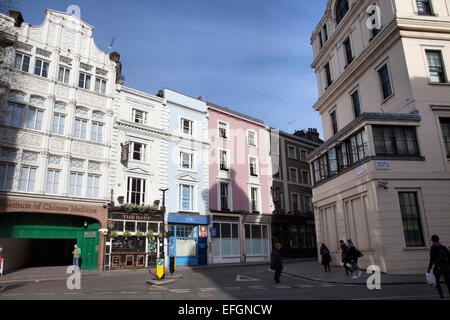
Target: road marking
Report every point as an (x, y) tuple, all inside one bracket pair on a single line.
[(106, 292), (258, 287), (327, 285), (245, 278), (232, 288), (180, 290), (207, 289), (303, 286), (157, 288), (124, 292), (13, 294), (281, 286), (45, 293)]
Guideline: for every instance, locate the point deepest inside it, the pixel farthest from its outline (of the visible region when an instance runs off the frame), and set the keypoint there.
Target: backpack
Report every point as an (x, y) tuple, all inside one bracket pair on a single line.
[(442, 256)]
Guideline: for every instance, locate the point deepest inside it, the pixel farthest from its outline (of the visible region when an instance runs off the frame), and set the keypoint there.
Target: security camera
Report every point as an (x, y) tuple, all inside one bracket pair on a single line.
[(105, 205), (383, 184)]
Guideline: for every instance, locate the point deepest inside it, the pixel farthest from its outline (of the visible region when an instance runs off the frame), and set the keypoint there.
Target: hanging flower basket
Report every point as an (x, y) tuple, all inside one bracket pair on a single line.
[(128, 208), (139, 235), (114, 235), (127, 235), (160, 235), (150, 235)]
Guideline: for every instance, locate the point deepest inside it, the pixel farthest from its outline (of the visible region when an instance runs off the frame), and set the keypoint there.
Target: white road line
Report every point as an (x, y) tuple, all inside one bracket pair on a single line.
[(124, 292), (45, 293), (257, 287), (282, 287), (232, 288), (105, 292), (303, 286), (207, 289), (13, 294), (180, 290), (71, 293), (327, 285)]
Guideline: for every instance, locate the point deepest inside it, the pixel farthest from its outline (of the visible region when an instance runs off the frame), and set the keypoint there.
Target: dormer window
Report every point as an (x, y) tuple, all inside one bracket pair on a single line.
[(342, 8)]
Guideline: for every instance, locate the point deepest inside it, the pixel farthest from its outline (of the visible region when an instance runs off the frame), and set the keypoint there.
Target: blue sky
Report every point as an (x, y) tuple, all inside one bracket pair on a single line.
[(253, 56)]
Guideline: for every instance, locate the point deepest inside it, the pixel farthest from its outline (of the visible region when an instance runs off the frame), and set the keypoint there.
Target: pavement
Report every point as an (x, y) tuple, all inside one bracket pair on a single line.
[(306, 269)]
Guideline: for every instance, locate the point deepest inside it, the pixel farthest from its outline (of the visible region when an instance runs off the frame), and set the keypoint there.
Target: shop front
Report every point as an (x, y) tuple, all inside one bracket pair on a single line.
[(41, 233), (134, 240), (188, 239)]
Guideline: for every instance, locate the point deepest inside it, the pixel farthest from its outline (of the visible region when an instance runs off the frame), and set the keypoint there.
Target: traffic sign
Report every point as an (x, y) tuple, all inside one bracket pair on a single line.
[(160, 268)]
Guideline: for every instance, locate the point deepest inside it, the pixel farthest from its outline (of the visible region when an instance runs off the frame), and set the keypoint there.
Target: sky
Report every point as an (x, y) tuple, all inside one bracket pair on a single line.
[(253, 56)]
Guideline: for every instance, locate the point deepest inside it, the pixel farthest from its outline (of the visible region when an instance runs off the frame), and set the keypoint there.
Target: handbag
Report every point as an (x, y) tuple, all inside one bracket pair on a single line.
[(431, 279)]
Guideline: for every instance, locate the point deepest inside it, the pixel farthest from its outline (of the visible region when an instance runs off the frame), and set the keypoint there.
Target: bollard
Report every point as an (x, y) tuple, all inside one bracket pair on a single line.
[(172, 265)]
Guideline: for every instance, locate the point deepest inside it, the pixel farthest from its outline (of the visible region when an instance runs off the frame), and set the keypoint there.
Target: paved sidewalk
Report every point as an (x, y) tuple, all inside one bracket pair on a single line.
[(314, 271)]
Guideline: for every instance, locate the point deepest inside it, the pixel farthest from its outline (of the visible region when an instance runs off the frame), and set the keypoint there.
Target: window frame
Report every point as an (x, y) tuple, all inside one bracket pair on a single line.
[(445, 133), (22, 62), (384, 83), (42, 68), (143, 192), (255, 138), (442, 74), (65, 78), (85, 77), (428, 5), (417, 218)]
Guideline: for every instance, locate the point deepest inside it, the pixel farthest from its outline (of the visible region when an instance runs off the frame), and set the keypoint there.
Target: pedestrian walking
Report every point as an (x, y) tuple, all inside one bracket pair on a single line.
[(76, 256), (440, 259), (354, 254), (276, 262), (345, 257), (326, 257)]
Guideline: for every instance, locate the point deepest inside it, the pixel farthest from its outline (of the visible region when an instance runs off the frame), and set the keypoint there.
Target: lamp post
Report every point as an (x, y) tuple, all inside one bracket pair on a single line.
[(163, 208)]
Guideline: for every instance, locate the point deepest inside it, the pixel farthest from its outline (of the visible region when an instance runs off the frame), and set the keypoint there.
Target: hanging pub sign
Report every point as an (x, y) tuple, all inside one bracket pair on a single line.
[(203, 232)]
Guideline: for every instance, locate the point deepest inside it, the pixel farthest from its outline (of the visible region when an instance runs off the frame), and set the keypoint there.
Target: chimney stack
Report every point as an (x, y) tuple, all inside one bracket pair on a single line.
[(17, 16), (115, 56)]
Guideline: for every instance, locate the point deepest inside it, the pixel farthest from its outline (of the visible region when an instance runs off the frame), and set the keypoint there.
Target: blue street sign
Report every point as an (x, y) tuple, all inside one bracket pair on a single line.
[(160, 262), (213, 232)]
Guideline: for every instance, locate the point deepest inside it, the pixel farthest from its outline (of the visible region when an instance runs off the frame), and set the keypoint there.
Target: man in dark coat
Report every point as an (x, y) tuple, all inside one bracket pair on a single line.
[(276, 263), (345, 257), (326, 257), (440, 259)]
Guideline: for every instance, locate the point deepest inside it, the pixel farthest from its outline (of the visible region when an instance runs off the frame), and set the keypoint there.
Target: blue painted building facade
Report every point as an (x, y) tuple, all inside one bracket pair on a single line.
[(188, 179)]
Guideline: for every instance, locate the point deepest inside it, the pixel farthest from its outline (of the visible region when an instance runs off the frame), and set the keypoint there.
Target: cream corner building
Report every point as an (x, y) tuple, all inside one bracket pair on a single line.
[(382, 177)]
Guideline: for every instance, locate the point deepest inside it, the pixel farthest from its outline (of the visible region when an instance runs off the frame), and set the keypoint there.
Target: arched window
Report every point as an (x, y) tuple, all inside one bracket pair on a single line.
[(341, 10)]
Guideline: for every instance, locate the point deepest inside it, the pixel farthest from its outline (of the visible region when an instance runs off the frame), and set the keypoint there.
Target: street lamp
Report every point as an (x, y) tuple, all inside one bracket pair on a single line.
[(163, 208)]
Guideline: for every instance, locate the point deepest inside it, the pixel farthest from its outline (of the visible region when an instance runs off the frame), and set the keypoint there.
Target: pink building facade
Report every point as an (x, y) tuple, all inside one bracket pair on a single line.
[(240, 176)]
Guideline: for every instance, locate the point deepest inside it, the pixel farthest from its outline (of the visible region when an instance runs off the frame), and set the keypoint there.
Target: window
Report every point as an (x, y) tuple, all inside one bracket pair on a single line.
[(14, 115), (100, 85), (293, 175), (356, 104), (254, 200), (64, 74), (186, 160), (256, 240), (8, 153), (332, 161), (308, 203), (435, 66), (328, 75), (395, 141), (34, 119), (445, 126), (22, 62), (253, 167), (358, 147), (385, 82), (224, 165), (139, 116), (295, 202), (75, 184), (93, 186), (58, 123), (7, 176), (79, 130), (424, 7), (41, 68), (251, 135), (53, 181), (320, 40), (97, 132), (303, 154), (224, 196), (186, 198), (292, 152), (348, 51), (305, 177), (334, 124), (138, 151), (412, 226), (187, 126), (27, 179), (341, 10), (325, 32), (136, 191), (84, 81), (223, 130)]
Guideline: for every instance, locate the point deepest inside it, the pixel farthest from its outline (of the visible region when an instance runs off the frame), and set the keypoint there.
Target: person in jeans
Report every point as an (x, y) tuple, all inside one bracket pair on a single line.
[(345, 257), (354, 255), (277, 263), (76, 256), (440, 259)]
